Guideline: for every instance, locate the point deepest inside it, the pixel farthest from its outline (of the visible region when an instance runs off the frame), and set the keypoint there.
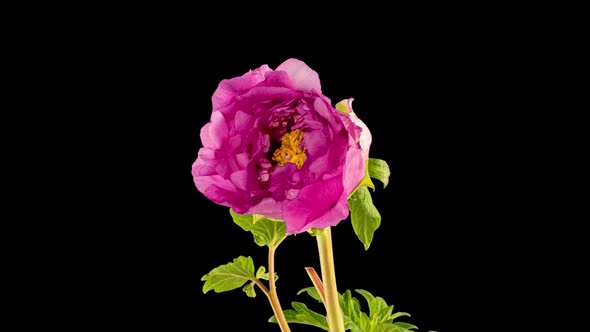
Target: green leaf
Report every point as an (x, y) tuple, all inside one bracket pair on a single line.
[(311, 291), (262, 274), (380, 318), (366, 181), (249, 289), (229, 276), (399, 314), (381, 315), (391, 328), (378, 169), (364, 216), (350, 306), (303, 315), (406, 326), (379, 311), (267, 232)]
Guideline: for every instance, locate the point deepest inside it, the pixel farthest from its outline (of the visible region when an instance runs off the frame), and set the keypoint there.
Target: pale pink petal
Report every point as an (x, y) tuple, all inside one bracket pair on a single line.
[(365, 138), (332, 217), (354, 168), (302, 77), (242, 121), (326, 111), (316, 143), (229, 88), (214, 133), (320, 203), (240, 179), (242, 159), (214, 187), (267, 207), (204, 165), (265, 93)]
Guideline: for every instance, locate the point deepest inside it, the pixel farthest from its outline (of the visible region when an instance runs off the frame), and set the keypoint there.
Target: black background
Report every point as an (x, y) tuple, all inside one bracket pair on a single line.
[(432, 94)]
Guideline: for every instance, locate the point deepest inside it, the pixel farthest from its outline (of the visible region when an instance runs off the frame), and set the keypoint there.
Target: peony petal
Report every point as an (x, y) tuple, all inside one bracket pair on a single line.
[(215, 187), (332, 217), (316, 143), (228, 89), (265, 93), (204, 165), (301, 76), (365, 138), (354, 168), (334, 157), (267, 207), (214, 133), (317, 204), (243, 159), (240, 180), (326, 111), (242, 121)]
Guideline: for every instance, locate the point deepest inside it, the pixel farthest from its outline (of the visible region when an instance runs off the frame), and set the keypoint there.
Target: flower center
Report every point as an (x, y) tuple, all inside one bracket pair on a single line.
[(290, 150)]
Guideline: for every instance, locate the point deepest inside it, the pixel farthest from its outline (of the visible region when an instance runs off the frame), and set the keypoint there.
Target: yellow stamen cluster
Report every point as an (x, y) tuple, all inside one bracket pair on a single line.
[(290, 151)]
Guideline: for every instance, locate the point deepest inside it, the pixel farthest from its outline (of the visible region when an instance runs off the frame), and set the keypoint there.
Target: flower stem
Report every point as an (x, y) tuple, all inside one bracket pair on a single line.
[(273, 297), (333, 311)]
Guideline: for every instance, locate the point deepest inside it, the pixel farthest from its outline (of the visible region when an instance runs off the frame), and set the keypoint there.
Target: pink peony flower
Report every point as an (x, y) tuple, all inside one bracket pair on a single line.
[(275, 146)]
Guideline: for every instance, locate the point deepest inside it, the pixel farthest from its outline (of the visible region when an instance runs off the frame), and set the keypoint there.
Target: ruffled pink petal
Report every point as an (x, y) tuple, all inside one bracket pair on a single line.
[(240, 179), (358, 152), (316, 143), (242, 159), (205, 163), (214, 133), (332, 217), (215, 187), (229, 88), (264, 93), (301, 76), (365, 138), (354, 168), (324, 109), (242, 121), (316, 205), (267, 207)]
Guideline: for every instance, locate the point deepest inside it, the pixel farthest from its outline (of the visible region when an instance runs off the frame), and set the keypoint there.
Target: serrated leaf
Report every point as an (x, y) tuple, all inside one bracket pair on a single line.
[(249, 289), (379, 311), (380, 318), (266, 232), (229, 276), (378, 169), (391, 328), (405, 326), (399, 314), (350, 305), (262, 274), (350, 325), (381, 314), (301, 314), (364, 216), (364, 323), (311, 291)]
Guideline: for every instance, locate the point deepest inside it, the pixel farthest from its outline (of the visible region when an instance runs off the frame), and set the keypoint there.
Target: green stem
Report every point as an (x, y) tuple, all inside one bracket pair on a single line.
[(333, 311), (273, 297)]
